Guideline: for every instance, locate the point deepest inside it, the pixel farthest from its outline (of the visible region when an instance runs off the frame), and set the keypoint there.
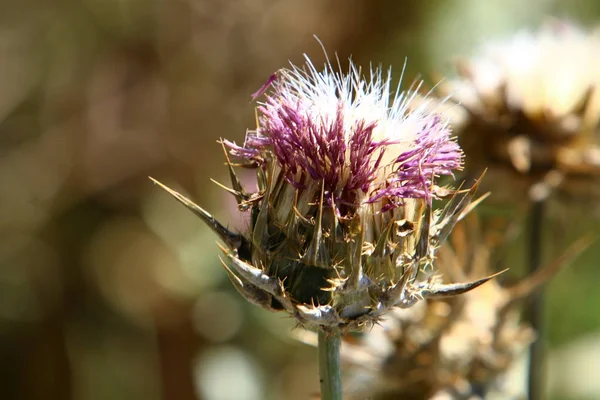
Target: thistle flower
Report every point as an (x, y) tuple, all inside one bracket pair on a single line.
[(533, 109), (342, 225)]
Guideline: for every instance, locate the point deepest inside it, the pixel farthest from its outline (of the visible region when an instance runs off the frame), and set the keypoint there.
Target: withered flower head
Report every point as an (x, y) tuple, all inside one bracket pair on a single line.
[(533, 107), (342, 226), (463, 347)]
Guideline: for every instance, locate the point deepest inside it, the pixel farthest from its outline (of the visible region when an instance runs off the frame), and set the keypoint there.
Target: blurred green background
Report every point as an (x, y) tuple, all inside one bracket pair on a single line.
[(111, 290)]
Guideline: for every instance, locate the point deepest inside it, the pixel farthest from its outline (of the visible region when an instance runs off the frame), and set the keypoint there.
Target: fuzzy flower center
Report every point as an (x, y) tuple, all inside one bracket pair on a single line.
[(362, 142)]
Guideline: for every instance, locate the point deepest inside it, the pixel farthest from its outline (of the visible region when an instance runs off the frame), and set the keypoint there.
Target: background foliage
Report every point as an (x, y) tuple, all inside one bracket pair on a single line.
[(108, 288)]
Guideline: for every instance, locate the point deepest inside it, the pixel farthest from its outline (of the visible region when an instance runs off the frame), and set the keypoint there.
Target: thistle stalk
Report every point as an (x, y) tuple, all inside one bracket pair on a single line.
[(535, 308), (330, 374)]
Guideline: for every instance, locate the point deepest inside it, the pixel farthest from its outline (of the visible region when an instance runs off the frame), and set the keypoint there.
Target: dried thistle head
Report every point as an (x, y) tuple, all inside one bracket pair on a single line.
[(456, 348), (533, 109), (342, 225)]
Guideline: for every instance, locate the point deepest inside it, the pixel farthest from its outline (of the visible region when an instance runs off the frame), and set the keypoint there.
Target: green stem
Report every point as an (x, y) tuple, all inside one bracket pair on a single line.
[(535, 308), (330, 372)]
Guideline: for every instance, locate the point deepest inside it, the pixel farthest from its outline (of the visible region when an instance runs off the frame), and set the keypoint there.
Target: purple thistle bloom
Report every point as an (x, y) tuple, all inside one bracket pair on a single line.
[(363, 143), (342, 227)]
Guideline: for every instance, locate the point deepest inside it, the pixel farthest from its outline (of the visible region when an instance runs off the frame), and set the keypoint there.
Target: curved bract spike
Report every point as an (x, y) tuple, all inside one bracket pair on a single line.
[(422, 249), (320, 315), (454, 289), (531, 283), (251, 292), (233, 240), (241, 196), (455, 210), (316, 254)]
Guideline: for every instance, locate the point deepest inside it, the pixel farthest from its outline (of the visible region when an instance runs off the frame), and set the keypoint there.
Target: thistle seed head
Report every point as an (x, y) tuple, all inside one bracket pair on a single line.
[(533, 109), (463, 347), (342, 226)]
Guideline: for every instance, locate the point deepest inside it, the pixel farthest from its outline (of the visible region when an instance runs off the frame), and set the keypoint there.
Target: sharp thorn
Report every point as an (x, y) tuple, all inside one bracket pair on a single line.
[(232, 239)]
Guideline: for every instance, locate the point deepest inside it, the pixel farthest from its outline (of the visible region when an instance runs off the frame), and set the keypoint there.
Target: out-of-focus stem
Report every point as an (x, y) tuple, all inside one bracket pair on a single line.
[(535, 308), (330, 372)]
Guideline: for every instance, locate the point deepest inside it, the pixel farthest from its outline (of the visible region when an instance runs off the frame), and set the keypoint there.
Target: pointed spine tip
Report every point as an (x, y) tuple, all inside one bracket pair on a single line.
[(232, 239)]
